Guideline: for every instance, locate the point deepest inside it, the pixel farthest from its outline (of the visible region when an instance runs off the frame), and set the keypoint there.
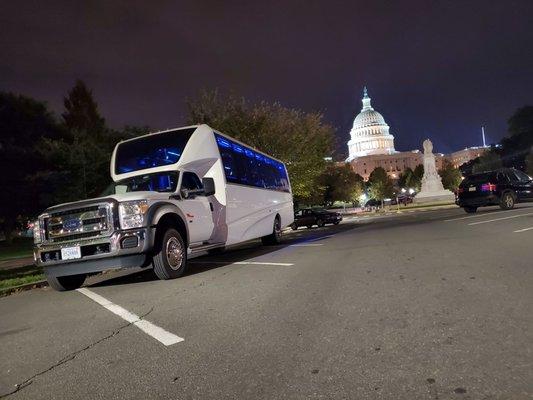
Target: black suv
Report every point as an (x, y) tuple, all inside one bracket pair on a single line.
[(312, 216), (503, 187)]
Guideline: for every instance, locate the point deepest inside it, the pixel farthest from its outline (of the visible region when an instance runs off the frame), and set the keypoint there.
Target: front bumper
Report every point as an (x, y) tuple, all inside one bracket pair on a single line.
[(125, 248)]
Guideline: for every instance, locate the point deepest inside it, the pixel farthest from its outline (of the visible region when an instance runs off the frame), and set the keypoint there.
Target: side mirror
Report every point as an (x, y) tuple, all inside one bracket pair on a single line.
[(209, 186), (184, 193)]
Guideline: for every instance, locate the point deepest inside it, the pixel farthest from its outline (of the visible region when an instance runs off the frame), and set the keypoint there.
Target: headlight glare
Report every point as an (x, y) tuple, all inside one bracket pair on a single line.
[(37, 233), (131, 213)]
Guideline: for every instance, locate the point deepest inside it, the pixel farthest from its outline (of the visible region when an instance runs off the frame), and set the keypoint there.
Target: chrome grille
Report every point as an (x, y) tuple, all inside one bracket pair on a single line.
[(79, 223)]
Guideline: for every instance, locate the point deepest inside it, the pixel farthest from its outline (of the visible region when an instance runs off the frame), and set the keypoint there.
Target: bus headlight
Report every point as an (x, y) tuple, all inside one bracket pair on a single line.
[(37, 233), (131, 213)]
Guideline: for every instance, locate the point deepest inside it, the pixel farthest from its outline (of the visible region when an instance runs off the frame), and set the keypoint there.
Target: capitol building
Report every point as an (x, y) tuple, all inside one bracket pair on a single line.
[(371, 145)]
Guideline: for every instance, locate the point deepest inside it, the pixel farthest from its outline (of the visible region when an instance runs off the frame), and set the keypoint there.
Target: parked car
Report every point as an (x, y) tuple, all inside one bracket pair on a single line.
[(402, 199), (504, 187), (312, 216)]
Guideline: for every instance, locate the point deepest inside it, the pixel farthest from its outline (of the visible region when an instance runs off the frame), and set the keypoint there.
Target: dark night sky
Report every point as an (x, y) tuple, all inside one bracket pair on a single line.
[(433, 69)]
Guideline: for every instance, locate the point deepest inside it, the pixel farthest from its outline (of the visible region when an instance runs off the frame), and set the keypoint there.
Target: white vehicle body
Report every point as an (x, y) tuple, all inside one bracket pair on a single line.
[(250, 198), (241, 212)]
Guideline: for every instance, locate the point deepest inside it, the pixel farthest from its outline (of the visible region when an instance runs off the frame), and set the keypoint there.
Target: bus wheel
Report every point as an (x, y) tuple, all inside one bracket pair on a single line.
[(170, 259), (275, 236)]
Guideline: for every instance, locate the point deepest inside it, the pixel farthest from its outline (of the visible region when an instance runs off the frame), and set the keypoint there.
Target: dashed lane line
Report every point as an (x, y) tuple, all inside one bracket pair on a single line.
[(523, 230), (147, 327), (307, 245), (499, 219)]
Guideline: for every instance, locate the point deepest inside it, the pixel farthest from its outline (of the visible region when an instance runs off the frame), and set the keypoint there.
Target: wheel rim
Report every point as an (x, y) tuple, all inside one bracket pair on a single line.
[(174, 252), (508, 201)]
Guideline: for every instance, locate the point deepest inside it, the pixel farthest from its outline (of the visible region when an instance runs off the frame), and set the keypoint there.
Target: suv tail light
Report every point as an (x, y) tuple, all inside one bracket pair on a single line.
[(488, 187), (460, 190)]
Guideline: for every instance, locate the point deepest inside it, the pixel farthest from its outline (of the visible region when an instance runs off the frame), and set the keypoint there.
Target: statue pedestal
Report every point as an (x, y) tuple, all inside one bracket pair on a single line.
[(434, 197)]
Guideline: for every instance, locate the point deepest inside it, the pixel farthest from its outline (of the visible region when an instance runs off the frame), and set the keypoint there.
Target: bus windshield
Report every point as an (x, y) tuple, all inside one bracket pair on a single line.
[(151, 151), (158, 182)]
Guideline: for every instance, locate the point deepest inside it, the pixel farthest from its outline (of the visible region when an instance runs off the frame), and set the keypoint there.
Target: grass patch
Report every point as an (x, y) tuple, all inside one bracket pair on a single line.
[(19, 248), (20, 276)]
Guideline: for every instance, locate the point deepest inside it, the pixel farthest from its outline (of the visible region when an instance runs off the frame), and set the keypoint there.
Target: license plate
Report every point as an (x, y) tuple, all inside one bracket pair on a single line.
[(472, 189), (70, 253)]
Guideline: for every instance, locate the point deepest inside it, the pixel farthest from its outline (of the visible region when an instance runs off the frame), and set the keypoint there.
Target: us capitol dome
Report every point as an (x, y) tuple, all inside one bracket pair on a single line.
[(370, 133)]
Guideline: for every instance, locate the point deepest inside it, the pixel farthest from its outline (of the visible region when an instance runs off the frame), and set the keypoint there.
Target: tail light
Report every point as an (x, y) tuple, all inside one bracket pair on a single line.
[(488, 187), (460, 190)]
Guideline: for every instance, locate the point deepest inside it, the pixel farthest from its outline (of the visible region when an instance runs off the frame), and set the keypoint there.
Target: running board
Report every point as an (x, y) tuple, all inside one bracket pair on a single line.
[(205, 247)]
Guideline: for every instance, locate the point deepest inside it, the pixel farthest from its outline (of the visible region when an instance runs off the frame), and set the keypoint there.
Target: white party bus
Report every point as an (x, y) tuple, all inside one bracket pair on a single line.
[(176, 193)]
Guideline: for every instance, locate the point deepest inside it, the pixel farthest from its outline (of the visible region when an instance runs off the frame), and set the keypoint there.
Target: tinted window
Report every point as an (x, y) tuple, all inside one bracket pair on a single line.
[(151, 151), (245, 166), (190, 181), (486, 177), (522, 177)]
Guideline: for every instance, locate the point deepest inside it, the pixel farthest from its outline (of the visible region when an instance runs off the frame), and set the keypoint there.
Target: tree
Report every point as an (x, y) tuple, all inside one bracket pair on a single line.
[(529, 164), (519, 143), (24, 124), (488, 161), (418, 174), (78, 162), (380, 185), (301, 140), (81, 111), (340, 183), (451, 176)]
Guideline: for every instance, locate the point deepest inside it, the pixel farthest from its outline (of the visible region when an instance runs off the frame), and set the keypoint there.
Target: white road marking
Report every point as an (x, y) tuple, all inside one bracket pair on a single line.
[(147, 327), (478, 215), (307, 245), (523, 230), (243, 263), (499, 219)]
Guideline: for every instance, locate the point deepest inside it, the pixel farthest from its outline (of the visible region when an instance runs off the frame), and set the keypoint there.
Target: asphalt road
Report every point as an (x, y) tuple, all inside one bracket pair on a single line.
[(420, 305)]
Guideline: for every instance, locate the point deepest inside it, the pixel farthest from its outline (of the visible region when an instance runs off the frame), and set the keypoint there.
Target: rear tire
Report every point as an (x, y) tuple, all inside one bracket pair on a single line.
[(507, 201), (170, 260), (275, 237), (294, 226), (64, 283), (470, 210), (320, 223)]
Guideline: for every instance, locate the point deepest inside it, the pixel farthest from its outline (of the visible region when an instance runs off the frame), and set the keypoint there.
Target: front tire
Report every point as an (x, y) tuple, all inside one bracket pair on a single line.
[(470, 210), (275, 237), (170, 260), (507, 201), (64, 283)]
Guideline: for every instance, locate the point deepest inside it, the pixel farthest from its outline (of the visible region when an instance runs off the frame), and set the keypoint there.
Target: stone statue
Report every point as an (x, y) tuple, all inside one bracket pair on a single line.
[(432, 189)]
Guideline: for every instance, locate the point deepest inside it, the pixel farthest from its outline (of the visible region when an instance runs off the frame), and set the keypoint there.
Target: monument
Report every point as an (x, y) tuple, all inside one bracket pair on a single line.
[(432, 189)]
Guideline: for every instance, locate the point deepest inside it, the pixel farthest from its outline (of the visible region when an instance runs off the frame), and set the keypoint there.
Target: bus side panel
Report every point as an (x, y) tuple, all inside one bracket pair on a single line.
[(250, 212)]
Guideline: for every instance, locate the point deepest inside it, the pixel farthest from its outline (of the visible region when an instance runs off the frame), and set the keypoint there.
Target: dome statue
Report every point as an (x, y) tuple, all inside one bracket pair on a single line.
[(370, 133)]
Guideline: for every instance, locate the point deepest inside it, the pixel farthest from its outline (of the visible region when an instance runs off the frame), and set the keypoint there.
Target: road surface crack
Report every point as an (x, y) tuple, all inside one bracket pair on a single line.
[(70, 357)]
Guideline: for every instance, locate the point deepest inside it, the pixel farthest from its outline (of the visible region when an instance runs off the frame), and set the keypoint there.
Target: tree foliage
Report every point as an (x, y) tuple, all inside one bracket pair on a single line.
[(488, 161), (340, 183), (301, 140), (380, 185), (519, 143), (451, 176)]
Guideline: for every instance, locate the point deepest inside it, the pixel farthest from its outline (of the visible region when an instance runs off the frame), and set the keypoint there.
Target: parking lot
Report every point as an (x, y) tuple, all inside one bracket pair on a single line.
[(429, 304)]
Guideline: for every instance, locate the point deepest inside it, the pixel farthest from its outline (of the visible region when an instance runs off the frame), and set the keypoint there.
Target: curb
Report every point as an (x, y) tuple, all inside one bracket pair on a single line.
[(20, 288)]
